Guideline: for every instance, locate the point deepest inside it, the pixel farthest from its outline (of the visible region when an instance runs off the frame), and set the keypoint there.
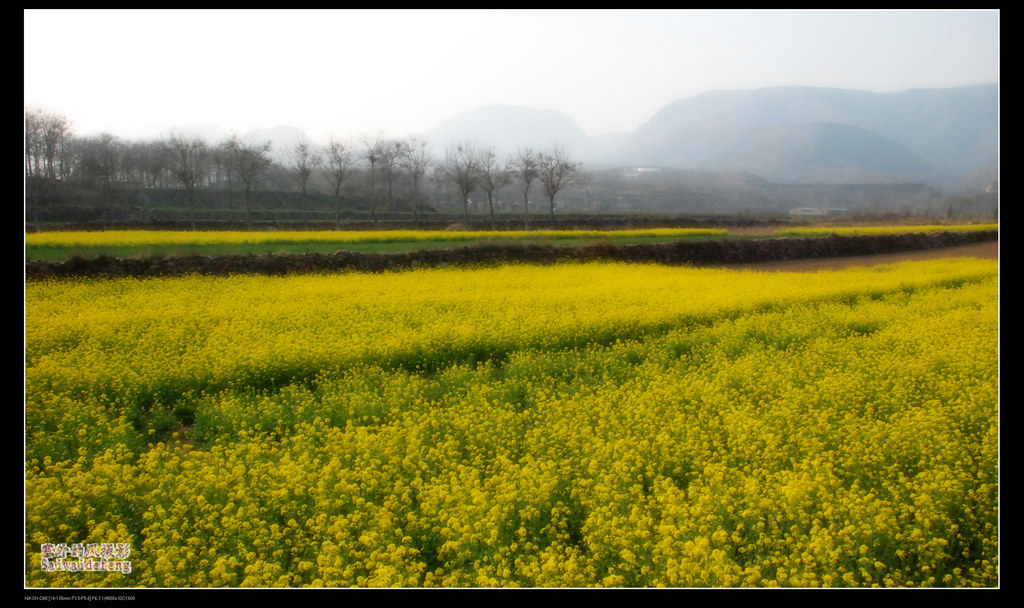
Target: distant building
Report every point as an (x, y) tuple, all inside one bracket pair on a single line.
[(640, 172), (817, 211)]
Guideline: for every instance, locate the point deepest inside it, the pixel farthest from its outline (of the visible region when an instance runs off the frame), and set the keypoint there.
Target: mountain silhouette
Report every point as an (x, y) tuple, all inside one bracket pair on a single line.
[(786, 134), (510, 128), (797, 135), (951, 132)]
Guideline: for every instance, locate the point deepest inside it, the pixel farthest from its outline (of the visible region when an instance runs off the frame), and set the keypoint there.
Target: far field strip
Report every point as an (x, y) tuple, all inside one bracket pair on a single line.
[(58, 246), (147, 337)]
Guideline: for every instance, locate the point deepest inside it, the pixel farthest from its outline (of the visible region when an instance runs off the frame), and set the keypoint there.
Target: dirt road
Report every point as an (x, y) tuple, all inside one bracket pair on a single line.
[(989, 250)]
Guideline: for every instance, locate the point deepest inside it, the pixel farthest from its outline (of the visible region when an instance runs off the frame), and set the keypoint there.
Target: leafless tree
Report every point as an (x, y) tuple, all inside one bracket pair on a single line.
[(461, 167), (373, 150), (301, 159), (48, 143), (35, 124), (249, 161), (223, 167), (35, 184), (137, 166), (47, 140), (335, 164), (100, 164), (190, 159), (493, 176), (156, 164), (390, 153), (556, 172), (415, 159), (524, 167), (55, 140)]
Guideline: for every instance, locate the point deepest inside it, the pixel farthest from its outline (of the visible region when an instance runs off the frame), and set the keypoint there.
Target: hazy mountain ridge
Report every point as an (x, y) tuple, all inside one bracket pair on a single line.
[(781, 134), (953, 130), (788, 134), (827, 152), (510, 128)]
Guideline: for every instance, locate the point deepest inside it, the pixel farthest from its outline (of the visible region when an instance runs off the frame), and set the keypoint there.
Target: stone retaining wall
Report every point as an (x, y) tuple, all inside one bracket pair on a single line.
[(726, 251)]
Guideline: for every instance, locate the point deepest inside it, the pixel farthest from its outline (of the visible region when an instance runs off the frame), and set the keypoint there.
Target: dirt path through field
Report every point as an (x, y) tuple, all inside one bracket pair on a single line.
[(988, 250)]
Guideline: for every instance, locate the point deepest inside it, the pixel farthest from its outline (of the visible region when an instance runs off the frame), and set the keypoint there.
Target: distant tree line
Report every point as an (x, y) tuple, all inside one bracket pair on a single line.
[(372, 174), (186, 181)]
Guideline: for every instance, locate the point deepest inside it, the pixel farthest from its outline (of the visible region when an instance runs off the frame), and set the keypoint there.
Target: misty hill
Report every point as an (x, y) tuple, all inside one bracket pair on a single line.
[(782, 134), (283, 140), (822, 153), (509, 128), (795, 133)]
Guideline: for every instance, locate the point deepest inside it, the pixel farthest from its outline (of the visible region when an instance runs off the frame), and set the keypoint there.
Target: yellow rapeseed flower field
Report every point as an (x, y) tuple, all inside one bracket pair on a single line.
[(570, 425)]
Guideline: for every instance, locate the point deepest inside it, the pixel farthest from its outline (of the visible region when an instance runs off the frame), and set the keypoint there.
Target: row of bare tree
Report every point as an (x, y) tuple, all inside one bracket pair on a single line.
[(471, 168), (53, 152)]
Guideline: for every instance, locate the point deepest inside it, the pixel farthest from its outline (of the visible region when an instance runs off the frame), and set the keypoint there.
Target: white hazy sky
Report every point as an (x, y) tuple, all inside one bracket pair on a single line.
[(141, 73)]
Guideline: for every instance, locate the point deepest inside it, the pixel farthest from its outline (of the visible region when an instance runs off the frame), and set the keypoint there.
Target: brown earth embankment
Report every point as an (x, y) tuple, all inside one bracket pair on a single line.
[(988, 251), (697, 253)]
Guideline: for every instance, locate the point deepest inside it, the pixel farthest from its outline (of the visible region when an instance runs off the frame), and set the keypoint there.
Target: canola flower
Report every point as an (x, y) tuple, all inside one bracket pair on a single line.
[(868, 230), (578, 425)]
